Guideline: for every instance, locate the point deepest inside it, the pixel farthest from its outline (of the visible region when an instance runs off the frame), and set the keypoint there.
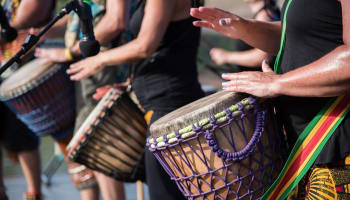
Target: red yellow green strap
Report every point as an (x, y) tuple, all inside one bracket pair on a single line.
[(308, 147)]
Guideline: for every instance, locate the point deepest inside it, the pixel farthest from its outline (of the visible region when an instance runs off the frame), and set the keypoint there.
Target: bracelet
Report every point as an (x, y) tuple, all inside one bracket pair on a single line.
[(68, 54)]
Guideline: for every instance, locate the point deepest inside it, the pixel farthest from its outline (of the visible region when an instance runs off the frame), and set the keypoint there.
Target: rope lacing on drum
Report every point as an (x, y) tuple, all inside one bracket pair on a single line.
[(177, 158)]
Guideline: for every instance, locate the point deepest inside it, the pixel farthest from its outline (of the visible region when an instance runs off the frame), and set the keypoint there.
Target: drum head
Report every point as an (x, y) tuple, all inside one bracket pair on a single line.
[(26, 77), (197, 110)]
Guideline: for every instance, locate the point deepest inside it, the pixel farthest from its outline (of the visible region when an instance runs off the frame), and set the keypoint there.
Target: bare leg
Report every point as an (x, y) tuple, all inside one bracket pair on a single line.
[(30, 163), (90, 193), (110, 188)]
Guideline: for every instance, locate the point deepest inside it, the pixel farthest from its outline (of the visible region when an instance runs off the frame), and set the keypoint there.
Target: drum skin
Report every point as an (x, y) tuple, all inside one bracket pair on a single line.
[(199, 170), (112, 139), (42, 96)]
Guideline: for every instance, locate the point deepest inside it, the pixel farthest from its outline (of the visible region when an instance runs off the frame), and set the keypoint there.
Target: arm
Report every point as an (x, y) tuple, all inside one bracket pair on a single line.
[(158, 14), (32, 13), (328, 76), (112, 23), (56, 31), (249, 58), (259, 34)]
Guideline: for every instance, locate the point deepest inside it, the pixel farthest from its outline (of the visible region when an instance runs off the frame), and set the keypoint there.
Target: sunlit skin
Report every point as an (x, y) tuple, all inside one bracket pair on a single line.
[(248, 58), (158, 14), (115, 19), (328, 76)]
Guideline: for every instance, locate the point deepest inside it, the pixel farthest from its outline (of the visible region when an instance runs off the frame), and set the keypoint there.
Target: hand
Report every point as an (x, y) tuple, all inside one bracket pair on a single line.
[(85, 68), (220, 21), (219, 56), (100, 92), (261, 84), (56, 55)]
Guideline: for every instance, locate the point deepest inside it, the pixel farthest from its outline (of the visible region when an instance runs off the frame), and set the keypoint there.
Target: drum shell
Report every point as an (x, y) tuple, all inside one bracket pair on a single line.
[(46, 107), (115, 144), (201, 174)]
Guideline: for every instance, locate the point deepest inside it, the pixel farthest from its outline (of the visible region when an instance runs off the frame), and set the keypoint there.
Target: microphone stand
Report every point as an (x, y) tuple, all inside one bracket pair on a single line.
[(32, 40)]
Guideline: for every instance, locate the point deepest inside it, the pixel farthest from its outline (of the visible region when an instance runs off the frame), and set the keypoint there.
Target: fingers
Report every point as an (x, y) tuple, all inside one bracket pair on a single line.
[(234, 76), (265, 67), (215, 12), (100, 92), (218, 56), (78, 71), (203, 24), (75, 68), (199, 14), (80, 75), (236, 86), (39, 52)]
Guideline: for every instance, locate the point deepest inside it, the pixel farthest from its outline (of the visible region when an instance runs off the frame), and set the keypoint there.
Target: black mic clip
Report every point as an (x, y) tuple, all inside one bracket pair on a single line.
[(89, 46)]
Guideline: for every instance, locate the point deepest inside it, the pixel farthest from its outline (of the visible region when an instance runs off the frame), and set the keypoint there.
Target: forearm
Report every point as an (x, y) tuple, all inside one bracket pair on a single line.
[(262, 35), (116, 21), (249, 58), (58, 30), (128, 53), (328, 76), (32, 13)]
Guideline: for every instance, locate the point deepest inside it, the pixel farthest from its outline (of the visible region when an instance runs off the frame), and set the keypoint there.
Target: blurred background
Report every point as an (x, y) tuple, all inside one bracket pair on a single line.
[(61, 187)]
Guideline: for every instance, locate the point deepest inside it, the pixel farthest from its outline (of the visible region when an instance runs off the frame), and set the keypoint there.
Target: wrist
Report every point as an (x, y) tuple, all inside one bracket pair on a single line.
[(70, 55), (278, 85), (102, 59), (75, 51)]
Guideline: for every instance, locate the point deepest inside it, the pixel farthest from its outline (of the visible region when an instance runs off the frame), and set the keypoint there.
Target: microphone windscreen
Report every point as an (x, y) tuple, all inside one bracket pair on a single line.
[(89, 48)]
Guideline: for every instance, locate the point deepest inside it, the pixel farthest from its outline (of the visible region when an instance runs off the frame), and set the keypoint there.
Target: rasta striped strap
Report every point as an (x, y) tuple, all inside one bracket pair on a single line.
[(308, 147)]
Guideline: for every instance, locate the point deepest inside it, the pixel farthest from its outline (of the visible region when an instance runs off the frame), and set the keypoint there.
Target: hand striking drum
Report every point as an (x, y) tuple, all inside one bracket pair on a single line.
[(222, 146)]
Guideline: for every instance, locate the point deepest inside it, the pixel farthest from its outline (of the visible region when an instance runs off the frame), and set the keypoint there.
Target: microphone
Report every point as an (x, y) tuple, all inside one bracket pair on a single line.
[(89, 46), (8, 33)]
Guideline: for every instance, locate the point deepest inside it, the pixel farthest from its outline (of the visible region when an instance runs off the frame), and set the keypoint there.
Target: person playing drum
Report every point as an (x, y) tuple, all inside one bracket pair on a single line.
[(15, 136), (311, 70), (164, 74), (110, 20)]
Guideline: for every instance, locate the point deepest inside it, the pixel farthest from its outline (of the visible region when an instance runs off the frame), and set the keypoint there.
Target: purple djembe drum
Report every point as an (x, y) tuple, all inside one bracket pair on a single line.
[(42, 96), (223, 146)]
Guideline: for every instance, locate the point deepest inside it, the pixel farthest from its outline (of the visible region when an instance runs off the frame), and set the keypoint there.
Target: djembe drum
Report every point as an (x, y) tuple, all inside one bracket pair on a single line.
[(42, 96), (222, 146), (112, 138)]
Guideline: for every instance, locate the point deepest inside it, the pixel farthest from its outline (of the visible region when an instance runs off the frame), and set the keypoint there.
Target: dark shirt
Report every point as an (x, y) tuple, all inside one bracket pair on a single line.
[(314, 29), (169, 77)]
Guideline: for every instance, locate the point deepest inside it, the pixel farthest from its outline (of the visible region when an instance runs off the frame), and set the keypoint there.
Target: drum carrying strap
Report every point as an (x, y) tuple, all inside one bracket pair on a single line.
[(311, 141)]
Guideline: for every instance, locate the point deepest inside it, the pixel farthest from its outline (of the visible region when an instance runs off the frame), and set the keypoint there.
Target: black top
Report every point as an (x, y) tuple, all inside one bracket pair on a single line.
[(314, 28), (169, 77)]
